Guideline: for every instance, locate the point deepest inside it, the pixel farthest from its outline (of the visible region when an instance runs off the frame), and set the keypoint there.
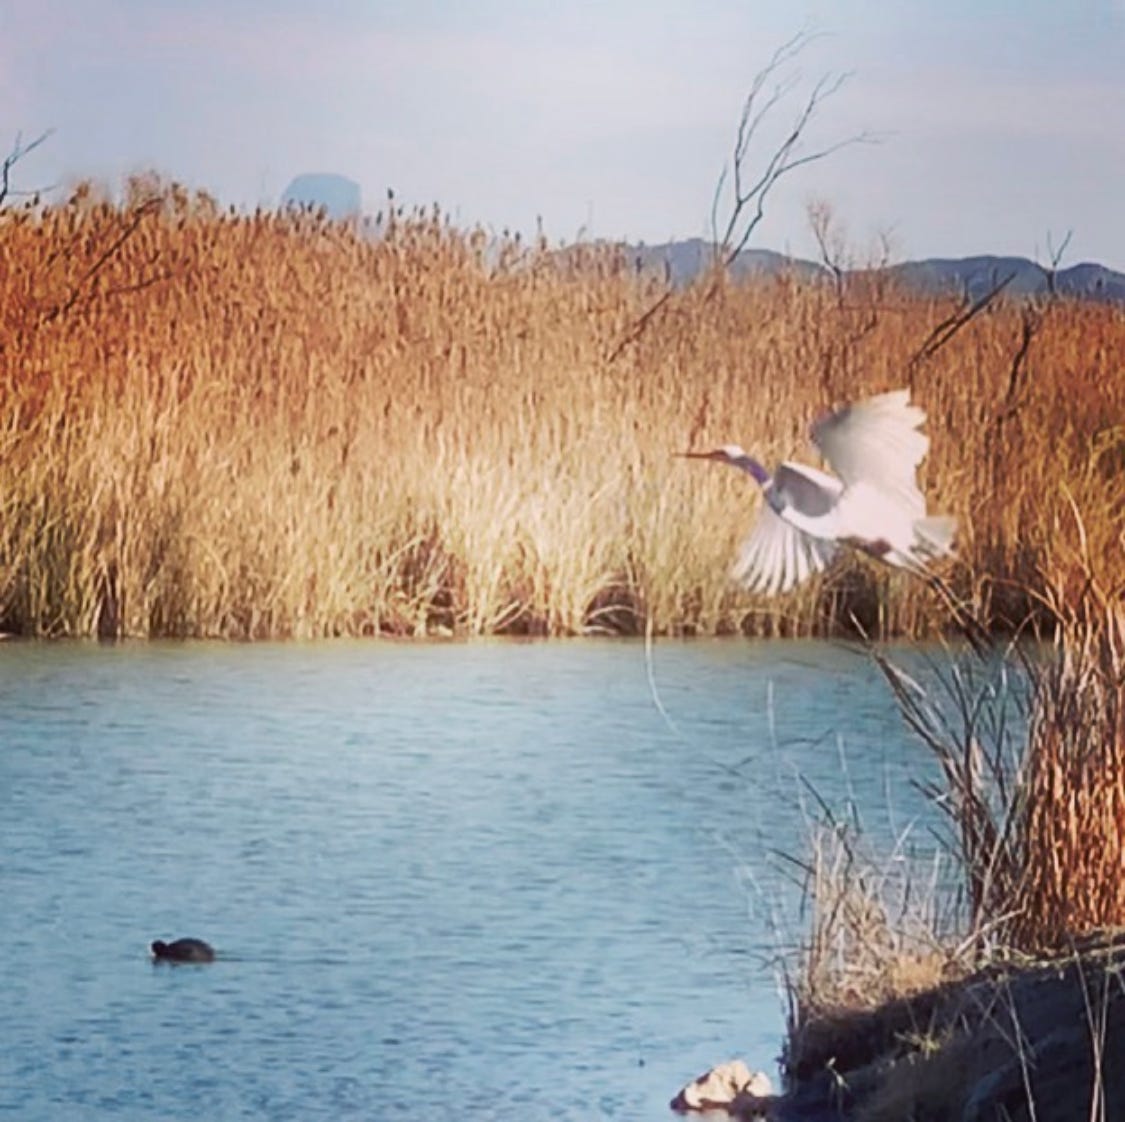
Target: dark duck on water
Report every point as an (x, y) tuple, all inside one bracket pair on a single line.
[(183, 950)]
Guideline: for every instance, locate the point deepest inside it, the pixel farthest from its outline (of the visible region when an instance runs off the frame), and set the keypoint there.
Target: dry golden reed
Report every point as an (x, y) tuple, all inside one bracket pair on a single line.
[(232, 425), (1071, 817)]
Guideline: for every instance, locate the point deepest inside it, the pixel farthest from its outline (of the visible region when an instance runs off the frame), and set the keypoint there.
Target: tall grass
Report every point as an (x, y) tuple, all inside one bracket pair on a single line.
[(905, 1005), (1070, 832), (1032, 753), (269, 425), (896, 1014)]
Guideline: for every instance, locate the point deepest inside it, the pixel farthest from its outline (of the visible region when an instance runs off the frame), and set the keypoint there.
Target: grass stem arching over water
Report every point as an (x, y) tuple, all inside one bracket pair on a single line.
[(270, 425)]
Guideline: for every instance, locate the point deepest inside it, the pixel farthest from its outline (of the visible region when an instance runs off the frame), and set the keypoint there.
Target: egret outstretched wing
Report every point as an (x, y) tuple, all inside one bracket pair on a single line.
[(877, 442), (808, 491), (777, 556)]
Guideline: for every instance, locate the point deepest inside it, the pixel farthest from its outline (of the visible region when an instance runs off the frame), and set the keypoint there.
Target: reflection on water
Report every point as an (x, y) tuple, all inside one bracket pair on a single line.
[(490, 880)]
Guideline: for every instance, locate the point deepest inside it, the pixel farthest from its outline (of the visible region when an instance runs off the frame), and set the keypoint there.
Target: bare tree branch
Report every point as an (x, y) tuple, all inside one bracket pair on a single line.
[(81, 287), (829, 242), (748, 202), (641, 323), (1055, 254), (720, 183), (1032, 314), (948, 327), (768, 89), (18, 152), (1031, 317)]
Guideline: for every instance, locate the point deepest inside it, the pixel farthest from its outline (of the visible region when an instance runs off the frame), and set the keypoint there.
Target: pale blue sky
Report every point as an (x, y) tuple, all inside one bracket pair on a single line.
[(1003, 122)]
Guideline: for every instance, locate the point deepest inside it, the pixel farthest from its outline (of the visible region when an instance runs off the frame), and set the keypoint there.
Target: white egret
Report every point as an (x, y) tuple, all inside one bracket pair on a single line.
[(872, 503)]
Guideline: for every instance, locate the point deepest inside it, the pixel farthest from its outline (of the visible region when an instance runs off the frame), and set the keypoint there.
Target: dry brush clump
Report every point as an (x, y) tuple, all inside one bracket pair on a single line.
[(881, 930), (1000, 983), (1031, 747), (998, 992), (253, 425)]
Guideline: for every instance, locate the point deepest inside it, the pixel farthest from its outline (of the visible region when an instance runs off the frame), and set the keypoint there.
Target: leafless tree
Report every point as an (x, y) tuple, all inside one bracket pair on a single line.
[(830, 241), (745, 183)]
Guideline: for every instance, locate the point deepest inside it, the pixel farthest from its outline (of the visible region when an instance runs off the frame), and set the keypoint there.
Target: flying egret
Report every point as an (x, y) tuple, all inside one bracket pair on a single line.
[(872, 503)]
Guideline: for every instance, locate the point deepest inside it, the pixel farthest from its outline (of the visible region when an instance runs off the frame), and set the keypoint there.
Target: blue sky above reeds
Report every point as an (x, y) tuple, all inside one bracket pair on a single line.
[(1000, 124)]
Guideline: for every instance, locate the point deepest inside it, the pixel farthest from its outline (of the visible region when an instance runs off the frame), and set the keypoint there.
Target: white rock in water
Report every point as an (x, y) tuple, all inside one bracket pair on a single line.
[(721, 1085)]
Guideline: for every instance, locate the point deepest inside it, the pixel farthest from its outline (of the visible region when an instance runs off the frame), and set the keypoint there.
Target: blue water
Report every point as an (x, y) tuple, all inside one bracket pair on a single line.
[(502, 881)]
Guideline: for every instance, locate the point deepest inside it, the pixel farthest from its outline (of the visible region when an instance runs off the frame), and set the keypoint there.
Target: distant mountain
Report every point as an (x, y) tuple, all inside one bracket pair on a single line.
[(974, 276), (977, 276), (683, 261), (339, 196)]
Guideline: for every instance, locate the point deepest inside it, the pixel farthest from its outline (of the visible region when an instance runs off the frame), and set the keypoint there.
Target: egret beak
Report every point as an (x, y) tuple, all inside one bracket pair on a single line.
[(717, 455)]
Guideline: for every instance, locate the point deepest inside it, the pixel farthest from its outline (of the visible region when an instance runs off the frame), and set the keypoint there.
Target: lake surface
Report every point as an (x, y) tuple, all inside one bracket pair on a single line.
[(498, 881)]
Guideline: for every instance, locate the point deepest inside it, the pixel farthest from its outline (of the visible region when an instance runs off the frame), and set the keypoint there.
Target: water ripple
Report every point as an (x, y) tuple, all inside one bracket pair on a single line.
[(486, 879)]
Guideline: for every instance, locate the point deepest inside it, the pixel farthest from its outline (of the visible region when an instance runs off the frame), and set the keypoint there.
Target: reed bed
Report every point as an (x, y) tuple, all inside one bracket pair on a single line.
[(269, 425), (1070, 826)]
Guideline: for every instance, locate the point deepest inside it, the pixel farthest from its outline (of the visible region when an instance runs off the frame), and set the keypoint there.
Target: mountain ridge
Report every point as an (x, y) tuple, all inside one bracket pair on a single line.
[(974, 276)]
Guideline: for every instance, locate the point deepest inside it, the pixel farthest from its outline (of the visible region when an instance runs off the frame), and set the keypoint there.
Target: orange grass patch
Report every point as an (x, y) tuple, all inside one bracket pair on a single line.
[(269, 425)]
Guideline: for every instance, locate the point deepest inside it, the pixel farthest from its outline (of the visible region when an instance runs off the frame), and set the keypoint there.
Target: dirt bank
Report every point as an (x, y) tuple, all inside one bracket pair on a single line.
[(1036, 1040)]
